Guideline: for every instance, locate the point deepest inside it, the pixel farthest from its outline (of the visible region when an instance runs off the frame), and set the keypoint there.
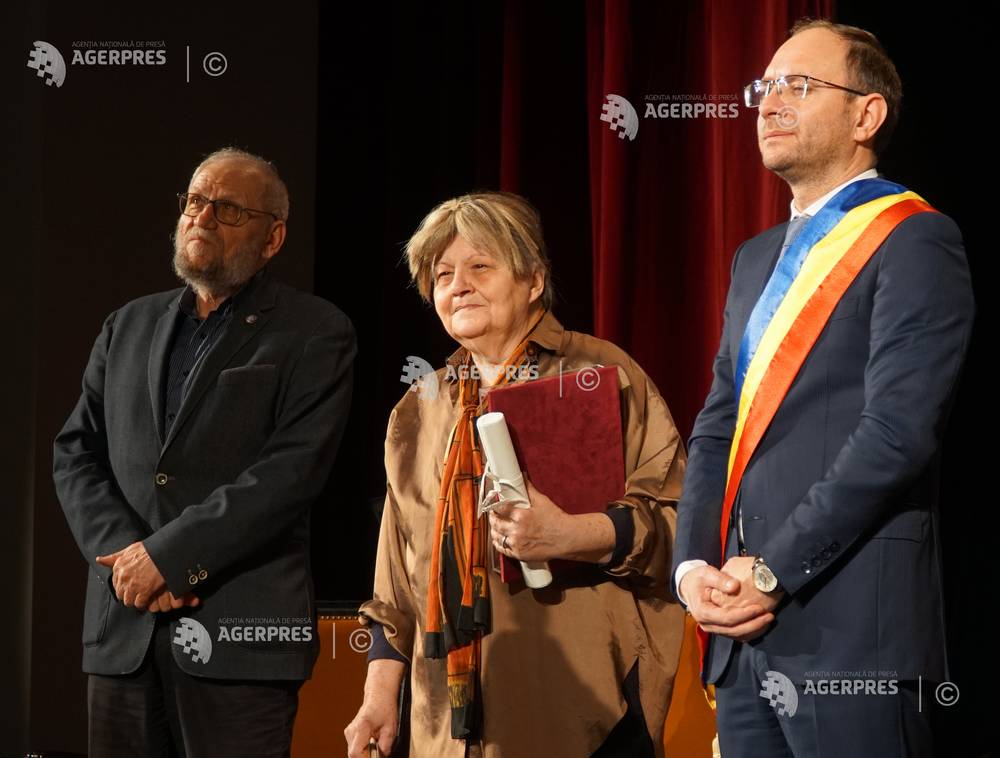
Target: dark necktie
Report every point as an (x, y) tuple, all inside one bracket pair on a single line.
[(794, 227)]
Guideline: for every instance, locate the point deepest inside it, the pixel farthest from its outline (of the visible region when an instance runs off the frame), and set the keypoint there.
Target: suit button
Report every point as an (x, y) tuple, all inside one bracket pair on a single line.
[(825, 554), (816, 563), (835, 546), (806, 569), (161, 479)]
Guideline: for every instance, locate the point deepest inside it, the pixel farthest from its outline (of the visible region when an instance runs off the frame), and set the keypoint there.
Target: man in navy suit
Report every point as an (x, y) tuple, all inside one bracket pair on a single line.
[(208, 423), (826, 607)]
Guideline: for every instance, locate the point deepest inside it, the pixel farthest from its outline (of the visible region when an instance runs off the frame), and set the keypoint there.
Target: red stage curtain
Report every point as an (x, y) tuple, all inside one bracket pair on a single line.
[(666, 211)]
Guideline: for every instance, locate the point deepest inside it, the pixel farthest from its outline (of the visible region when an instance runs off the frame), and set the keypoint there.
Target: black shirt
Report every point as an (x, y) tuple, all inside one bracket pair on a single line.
[(194, 339)]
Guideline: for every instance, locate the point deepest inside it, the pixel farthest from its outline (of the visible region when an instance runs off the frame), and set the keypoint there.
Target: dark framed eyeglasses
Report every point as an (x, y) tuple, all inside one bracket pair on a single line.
[(225, 211), (789, 88)]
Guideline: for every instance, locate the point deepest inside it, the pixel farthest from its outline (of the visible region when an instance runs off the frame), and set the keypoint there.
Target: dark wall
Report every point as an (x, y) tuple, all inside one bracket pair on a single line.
[(93, 169), (940, 150)]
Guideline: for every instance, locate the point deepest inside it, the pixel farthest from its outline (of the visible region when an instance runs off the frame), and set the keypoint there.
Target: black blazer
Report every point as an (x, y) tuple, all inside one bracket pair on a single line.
[(841, 496), (222, 503)]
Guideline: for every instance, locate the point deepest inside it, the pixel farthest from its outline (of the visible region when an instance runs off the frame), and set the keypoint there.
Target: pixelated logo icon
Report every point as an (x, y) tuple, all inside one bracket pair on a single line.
[(620, 115), (193, 640), (419, 374), (48, 62), (779, 691)]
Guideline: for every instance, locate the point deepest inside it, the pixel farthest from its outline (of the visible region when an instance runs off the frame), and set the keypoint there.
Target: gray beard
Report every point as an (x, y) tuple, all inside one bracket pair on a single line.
[(222, 277)]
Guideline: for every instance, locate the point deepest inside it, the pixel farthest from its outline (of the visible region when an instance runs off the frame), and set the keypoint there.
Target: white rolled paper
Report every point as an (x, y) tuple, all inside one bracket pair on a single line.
[(506, 473)]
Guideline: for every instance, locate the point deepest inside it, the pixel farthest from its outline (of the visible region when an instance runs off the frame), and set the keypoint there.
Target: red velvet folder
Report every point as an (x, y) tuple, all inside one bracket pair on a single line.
[(567, 433)]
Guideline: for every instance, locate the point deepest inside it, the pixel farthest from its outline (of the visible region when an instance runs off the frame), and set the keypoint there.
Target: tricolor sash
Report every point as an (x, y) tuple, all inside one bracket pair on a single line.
[(796, 304)]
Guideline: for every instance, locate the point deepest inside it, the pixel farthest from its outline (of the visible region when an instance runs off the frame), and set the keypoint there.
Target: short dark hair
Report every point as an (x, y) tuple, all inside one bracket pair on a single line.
[(869, 67)]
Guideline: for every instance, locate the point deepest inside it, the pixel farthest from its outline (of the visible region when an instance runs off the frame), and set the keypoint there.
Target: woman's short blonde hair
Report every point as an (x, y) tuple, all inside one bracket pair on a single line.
[(501, 223)]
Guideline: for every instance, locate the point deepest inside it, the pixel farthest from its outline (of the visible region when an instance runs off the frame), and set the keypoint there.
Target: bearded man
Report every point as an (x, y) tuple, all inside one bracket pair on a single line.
[(208, 423)]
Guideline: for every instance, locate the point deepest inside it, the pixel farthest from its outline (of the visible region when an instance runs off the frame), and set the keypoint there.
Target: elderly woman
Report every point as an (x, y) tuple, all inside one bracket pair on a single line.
[(579, 668)]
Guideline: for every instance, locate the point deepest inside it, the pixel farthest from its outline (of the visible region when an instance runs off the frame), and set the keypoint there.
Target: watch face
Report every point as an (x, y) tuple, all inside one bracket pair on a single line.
[(764, 579)]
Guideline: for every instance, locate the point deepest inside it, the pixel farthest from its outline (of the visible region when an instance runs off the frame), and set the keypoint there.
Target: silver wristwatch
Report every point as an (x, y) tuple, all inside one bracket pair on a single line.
[(763, 578)]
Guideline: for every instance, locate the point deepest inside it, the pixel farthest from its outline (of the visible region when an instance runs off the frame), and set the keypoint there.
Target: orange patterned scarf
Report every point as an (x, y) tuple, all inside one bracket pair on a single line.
[(458, 604)]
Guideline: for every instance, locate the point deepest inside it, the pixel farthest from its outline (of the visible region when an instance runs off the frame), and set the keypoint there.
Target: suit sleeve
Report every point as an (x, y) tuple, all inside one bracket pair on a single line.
[(921, 321), (99, 517), (699, 512), (238, 518)]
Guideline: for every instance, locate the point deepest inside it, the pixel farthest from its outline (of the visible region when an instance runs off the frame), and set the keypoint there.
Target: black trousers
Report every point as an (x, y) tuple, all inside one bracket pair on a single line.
[(162, 712)]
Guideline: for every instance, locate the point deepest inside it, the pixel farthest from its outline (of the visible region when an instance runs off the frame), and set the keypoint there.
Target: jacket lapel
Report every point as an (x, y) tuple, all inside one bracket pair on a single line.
[(248, 318), (156, 368), (757, 278)]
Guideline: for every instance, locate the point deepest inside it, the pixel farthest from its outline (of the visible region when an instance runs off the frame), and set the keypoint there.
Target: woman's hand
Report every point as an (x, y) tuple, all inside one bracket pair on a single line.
[(537, 533), (545, 531), (378, 716)]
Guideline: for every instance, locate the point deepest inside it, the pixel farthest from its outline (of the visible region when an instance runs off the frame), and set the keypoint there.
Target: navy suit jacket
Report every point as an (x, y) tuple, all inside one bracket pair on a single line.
[(841, 495), (222, 501)]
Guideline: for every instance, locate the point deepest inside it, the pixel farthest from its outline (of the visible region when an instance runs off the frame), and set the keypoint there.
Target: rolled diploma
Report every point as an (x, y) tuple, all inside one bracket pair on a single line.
[(500, 453)]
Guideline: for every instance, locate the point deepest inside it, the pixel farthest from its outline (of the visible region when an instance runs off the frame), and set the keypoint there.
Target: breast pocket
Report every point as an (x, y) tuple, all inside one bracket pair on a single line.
[(242, 406), (260, 373)]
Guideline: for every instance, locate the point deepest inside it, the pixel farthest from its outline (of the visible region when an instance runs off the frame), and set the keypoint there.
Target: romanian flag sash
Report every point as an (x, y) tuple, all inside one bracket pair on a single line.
[(805, 287), (796, 304)]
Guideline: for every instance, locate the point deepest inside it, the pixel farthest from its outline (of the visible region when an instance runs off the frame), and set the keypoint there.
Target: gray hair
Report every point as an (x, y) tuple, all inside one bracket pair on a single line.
[(502, 223), (275, 193)]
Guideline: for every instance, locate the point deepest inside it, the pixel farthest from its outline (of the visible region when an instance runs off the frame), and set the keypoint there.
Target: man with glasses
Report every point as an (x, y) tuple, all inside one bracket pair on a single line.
[(209, 420), (807, 538)]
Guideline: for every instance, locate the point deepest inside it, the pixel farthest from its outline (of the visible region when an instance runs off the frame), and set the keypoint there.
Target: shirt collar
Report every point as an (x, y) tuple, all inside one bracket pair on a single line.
[(815, 207), (548, 335)]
